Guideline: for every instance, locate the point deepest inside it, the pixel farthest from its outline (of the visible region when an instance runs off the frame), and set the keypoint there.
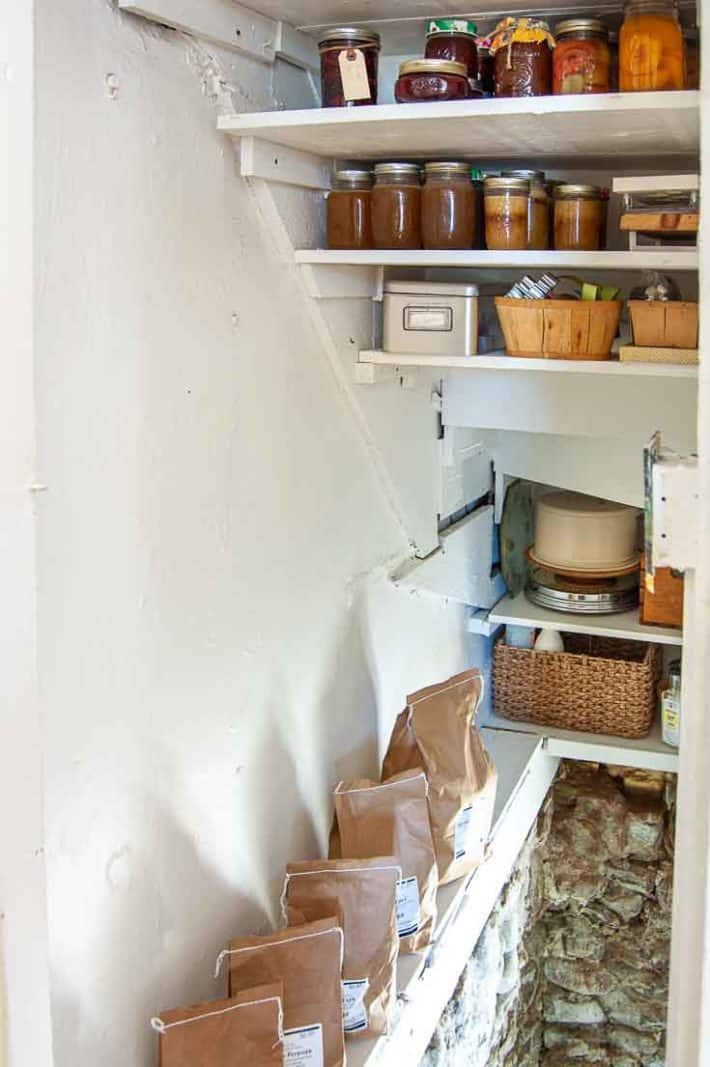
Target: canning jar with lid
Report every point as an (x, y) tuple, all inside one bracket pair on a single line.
[(453, 39), (651, 47), (579, 218), (581, 62), (449, 206), (349, 210), (538, 206), (397, 206), (506, 212), (424, 80), (348, 66), (522, 57)]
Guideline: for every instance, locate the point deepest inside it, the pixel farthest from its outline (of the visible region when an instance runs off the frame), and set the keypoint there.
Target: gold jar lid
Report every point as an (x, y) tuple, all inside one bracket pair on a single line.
[(353, 179), (400, 170), (433, 66), (350, 37), (529, 175), (511, 185), (582, 28), (577, 192), (437, 168)]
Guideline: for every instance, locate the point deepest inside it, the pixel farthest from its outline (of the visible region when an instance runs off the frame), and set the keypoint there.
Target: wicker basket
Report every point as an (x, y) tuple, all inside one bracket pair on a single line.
[(559, 329), (598, 685), (664, 323)]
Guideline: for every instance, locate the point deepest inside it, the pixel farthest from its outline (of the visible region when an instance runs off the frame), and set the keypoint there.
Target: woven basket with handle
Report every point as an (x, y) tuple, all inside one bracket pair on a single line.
[(597, 684)]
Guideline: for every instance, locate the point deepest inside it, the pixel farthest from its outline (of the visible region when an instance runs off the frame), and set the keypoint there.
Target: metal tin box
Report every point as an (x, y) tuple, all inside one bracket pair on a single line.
[(430, 318)]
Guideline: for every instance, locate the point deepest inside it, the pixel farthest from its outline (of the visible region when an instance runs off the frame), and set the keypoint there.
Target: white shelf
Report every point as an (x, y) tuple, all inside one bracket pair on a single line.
[(684, 259), (545, 127), (520, 612), (498, 361), (648, 753), (427, 979)]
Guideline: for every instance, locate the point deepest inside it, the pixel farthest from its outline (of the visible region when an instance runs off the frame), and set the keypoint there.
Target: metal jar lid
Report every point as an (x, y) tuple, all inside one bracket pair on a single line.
[(509, 185), (582, 28), (433, 66), (437, 169), (350, 36), (400, 170), (577, 192), (353, 179), (438, 27), (537, 176)]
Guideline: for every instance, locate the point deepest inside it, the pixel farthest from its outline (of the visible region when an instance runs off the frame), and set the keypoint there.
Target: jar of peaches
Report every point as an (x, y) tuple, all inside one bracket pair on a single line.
[(651, 47)]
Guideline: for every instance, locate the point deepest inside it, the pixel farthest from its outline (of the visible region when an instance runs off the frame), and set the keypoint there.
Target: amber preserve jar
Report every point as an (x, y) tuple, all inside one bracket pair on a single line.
[(538, 206), (581, 62), (579, 218), (506, 213), (397, 206), (349, 210), (454, 39), (522, 57), (449, 206), (651, 47), (421, 81), (357, 50)]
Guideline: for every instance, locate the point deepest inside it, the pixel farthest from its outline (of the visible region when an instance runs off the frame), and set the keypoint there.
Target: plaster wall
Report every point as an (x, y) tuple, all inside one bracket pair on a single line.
[(218, 640)]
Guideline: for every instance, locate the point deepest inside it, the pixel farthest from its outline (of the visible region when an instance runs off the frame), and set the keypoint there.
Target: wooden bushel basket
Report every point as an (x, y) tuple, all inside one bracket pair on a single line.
[(664, 323), (559, 329)]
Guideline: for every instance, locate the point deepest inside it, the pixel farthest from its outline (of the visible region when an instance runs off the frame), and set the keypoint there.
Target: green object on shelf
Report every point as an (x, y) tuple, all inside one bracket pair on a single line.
[(609, 292), (589, 291)]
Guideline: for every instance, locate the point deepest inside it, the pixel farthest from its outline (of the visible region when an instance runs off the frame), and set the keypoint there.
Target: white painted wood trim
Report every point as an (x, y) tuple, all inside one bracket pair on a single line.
[(501, 362), (288, 166), (677, 259)]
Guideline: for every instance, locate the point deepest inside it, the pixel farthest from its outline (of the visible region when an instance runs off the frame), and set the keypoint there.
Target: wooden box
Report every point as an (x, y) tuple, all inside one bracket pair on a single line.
[(559, 329), (664, 323), (663, 607)]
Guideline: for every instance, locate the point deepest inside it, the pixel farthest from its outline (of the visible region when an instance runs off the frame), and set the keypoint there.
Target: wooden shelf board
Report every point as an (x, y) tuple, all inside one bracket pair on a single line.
[(546, 127), (498, 361), (520, 612), (685, 259)]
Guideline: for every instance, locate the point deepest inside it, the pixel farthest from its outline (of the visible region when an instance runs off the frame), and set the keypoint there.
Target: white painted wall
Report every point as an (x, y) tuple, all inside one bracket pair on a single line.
[(218, 642)]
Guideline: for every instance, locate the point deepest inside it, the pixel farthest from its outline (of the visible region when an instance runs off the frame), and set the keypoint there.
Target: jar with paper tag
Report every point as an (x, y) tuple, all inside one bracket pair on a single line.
[(348, 66)]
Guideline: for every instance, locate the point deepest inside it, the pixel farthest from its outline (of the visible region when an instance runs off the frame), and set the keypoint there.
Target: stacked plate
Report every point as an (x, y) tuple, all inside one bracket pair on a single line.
[(585, 559)]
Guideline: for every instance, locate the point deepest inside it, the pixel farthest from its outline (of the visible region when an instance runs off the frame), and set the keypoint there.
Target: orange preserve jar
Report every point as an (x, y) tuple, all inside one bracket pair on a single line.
[(651, 47), (397, 206), (449, 206), (581, 62), (349, 210)]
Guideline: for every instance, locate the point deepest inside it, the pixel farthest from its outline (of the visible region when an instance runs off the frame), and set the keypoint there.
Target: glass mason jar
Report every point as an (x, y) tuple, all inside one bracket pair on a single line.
[(361, 47), (449, 206), (538, 206), (581, 62), (506, 203), (397, 206), (456, 40), (651, 47), (579, 218), (522, 57), (349, 210), (424, 80)]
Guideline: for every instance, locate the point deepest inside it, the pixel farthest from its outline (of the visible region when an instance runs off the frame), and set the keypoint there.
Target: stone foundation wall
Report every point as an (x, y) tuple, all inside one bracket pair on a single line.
[(573, 963)]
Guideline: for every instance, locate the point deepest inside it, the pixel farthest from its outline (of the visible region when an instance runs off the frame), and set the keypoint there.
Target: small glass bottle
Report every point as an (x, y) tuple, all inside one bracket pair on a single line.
[(349, 210), (670, 706), (397, 206)]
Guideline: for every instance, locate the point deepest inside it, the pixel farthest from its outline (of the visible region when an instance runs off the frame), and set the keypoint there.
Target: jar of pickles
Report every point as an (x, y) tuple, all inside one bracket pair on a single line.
[(651, 47), (581, 62), (522, 57), (579, 218), (348, 66), (397, 206), (449, 206), (349, 210), (454, 39), (506, 213), (424, 80)]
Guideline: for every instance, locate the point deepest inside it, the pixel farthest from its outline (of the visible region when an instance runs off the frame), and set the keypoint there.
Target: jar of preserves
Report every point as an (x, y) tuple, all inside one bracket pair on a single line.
[(424, 80), (456, 40), (349, 210), (506, 213), (486, 77), (579, 218), (348, 66), (522, 57), (449, 208), (581, 62), (397, 206), (651, 47), (538, 206)]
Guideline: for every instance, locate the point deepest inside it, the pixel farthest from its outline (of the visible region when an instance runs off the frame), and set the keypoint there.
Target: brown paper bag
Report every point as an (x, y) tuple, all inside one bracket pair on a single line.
[(376, 818), (248, 1028), (437, 732), (363, 894), (308, 960)]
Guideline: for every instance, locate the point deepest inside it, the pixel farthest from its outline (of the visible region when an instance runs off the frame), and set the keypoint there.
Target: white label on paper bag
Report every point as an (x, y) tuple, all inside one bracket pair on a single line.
[(407, 907), (303, 1046), (462, 829), (472, 826), (353, 74), (354, 1010)]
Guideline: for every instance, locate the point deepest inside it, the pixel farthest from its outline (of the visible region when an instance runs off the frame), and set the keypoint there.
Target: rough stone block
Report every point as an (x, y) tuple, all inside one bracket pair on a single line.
[(578, 977), (577, 1011)]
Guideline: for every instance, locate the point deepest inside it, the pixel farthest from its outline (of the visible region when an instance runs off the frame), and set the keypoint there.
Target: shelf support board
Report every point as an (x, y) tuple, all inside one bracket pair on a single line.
[(287, 166)]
